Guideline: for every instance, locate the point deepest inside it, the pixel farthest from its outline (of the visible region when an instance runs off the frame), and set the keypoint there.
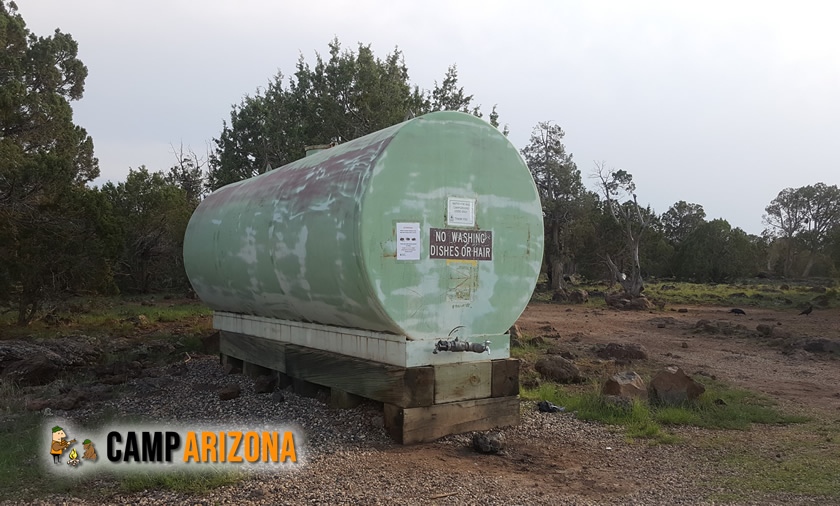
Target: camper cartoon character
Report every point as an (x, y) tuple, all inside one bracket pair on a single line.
[(58, 443), (90, 451)]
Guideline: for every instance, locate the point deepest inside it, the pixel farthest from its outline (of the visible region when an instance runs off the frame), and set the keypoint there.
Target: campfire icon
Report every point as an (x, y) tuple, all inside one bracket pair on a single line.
[(74, 458)]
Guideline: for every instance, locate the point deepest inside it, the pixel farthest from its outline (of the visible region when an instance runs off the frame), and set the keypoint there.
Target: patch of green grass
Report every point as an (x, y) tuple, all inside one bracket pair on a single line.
[(767, 295), (590, 406), (101, 316), (721, 407), (20, 439), (804, 472), (743, 293), (804, 460), (190, 482), (725, 407)]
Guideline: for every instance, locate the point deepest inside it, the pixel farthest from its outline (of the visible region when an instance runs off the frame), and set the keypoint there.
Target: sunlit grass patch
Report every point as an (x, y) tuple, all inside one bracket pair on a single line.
[(721, 407), (180, 481)]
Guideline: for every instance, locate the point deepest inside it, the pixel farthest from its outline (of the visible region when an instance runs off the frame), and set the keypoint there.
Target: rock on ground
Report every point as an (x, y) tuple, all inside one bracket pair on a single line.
[(229, 392), (31, 371), (764, 329), (491, 442), (627, 301), (818, 345), (578, 296), (626, 384), (672, 386), (621, 351), (265, 384), (557, 368)]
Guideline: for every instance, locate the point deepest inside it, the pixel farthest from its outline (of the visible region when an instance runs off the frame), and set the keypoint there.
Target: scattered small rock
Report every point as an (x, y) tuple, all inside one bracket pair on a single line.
[(818, 345), (627, 301), (621, 351), (138, 321), (491, 443), (32, 371), (178, 369), (265, 384), (229, 392), (578, 296), (625, 384), (560, 351), (37, 404), (682, 310), (684, 344), (672, 386), (764, 329), (556, 368), (560, 296), (278, 396)]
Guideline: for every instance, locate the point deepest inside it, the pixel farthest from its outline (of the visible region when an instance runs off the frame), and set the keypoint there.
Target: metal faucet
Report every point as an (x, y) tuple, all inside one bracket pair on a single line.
[(458, 345)]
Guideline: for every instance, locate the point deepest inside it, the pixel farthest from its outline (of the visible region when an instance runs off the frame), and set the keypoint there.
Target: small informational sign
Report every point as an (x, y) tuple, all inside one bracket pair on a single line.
[(408, 241), (461, 244), (460, 212)]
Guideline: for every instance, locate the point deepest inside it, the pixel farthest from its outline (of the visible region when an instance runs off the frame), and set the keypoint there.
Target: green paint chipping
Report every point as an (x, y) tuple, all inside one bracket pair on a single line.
[(316, 240)]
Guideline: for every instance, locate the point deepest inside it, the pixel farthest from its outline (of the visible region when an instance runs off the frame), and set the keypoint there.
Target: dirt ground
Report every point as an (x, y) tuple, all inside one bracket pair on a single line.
[(588, 463), (558, 459), (744, 359)]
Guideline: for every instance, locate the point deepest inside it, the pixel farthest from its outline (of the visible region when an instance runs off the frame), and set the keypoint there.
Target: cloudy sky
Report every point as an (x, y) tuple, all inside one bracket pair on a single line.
[(722, 104)]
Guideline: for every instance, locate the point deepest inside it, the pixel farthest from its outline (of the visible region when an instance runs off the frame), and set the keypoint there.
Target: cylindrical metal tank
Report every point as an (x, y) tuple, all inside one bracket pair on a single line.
[(418, 229)]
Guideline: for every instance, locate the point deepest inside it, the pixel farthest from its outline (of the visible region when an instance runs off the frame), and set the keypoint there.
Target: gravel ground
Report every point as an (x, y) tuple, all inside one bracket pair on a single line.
[(349, 459)]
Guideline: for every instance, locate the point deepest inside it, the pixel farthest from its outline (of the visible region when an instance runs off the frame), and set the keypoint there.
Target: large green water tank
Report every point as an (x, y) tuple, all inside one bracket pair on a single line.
[(429, 225)]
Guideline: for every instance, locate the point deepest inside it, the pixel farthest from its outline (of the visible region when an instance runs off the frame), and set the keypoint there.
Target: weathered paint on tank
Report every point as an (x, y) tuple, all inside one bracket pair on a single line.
[(315, 240)]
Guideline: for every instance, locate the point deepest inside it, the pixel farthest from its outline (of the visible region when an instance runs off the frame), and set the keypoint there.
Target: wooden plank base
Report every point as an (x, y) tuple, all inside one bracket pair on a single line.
[(421, 425), (405, 387), (421, 404), (505, 377), (339, 399), (462, 382)]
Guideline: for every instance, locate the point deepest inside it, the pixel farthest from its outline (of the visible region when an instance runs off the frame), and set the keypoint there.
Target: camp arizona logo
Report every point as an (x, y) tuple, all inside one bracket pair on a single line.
[(132, 447), (234, 446)]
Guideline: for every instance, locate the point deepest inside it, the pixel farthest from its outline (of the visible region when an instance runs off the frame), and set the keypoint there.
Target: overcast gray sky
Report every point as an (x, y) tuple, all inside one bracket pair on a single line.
[(721, 103)]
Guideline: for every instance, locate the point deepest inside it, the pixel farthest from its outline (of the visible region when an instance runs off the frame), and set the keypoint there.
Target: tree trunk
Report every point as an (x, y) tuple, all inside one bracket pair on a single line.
[(27, 307), (635, 281), (556, 275)]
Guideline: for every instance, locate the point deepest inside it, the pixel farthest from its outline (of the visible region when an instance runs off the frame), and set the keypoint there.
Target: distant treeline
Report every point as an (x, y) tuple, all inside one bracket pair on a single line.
[(59, 236)]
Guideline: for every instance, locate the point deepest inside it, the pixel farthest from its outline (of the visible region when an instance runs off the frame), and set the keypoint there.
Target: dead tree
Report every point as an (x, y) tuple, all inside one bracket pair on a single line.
[(617, 186)]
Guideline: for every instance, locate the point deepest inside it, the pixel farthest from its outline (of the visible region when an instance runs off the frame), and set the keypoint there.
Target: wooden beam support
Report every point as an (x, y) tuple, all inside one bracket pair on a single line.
[(339, 399), (424, 424), (255, 350), (232, 365), (462, 382), (403, 387), (505, 377), (307, 389), (254, 371)]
